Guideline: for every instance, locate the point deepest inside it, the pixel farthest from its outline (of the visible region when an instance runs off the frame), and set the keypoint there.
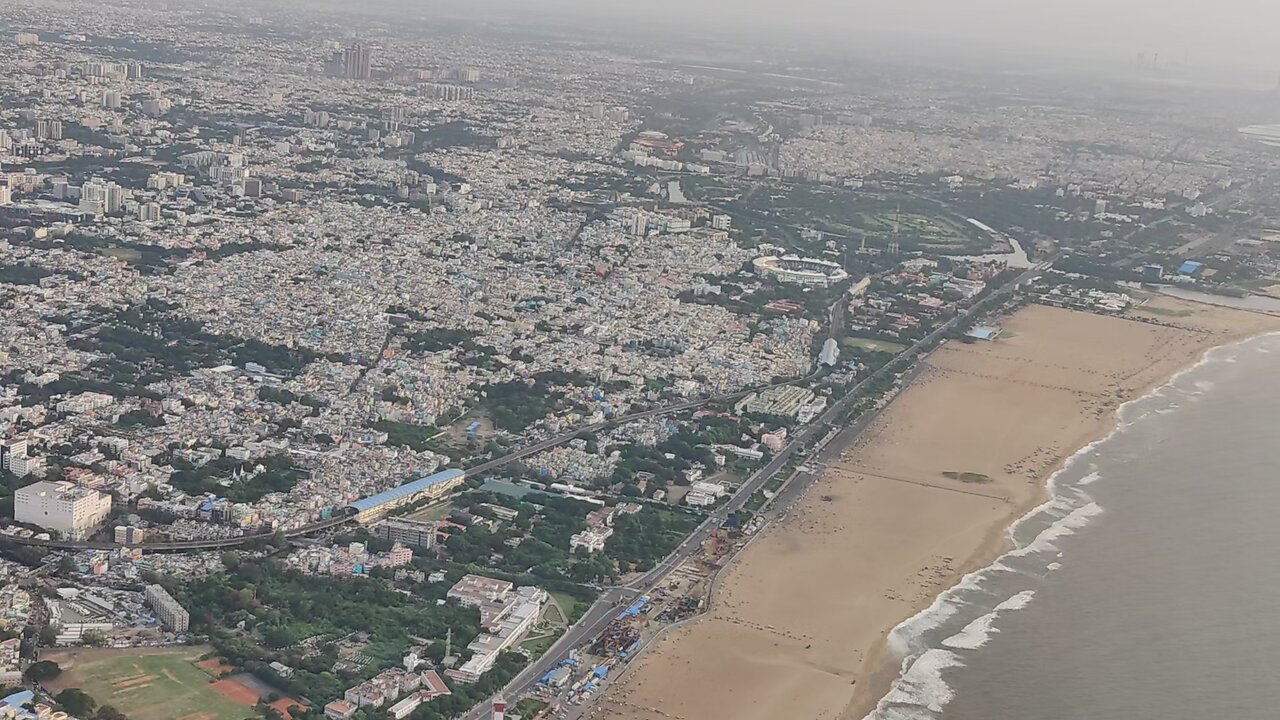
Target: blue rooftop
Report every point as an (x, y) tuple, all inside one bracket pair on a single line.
[(636, 607), (17, 699), (1190, 267), (409, 488)]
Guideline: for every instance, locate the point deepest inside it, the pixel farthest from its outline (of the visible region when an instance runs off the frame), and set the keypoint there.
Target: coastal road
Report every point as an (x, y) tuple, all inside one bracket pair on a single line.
[(612, 601)]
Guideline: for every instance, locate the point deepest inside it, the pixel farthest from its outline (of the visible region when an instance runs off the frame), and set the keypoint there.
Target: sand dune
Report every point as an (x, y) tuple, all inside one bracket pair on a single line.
[(798, 624)]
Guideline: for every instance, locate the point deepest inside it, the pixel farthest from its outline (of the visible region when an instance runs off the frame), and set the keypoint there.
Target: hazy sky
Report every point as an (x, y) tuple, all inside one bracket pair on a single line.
[(1205, 31)]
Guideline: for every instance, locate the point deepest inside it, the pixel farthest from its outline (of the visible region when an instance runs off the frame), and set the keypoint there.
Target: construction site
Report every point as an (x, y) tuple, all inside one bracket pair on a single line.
[(681, 595)]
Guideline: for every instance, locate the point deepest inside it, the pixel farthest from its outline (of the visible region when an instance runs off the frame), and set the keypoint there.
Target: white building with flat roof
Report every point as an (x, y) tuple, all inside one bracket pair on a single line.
[(168, 610), (591, 539), (59, 505)]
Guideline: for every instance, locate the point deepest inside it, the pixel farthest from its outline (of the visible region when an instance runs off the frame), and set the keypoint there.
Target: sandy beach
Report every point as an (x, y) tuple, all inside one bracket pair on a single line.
[(798, 624)]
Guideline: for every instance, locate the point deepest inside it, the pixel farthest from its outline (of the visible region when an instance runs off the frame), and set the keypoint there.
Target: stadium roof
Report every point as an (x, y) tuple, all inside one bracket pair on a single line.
[(409, 488)]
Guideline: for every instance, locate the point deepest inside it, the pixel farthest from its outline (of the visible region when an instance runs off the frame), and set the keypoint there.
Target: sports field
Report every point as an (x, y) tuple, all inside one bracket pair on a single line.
[(875, 345), (147, 683)]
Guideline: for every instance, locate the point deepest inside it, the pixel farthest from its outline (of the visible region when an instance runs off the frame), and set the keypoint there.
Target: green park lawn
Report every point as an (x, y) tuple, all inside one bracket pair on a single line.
[(147, 683)]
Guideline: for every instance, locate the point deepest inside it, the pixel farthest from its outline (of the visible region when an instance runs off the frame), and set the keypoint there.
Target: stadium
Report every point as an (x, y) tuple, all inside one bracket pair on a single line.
[(801, 271)]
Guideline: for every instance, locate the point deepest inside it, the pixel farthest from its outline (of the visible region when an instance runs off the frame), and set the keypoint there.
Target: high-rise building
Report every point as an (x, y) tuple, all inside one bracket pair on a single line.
[(27, 39), (101, 198), (129, 535), (65, 507), (6, 195), (357, 62), (149, 212), (11, 448), (447, 92), (48, 129), (156, 107), (408, 532), (168, 611), (111, 99)]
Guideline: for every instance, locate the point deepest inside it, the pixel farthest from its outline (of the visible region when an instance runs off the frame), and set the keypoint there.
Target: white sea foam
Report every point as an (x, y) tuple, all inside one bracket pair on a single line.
[(977, 633), (1017, 602), (1089, 479), (943, 608), (920, 690), (1068, 525), (922, 684)]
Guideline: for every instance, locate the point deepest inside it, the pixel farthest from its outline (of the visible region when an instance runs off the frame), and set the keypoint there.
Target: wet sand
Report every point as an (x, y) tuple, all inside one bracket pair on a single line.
[(798, 624)]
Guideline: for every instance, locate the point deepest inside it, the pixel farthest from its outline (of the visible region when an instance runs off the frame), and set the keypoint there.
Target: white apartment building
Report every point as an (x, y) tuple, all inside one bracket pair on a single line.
[(592, 540), (12, 449), (169, 612), (64, 507)]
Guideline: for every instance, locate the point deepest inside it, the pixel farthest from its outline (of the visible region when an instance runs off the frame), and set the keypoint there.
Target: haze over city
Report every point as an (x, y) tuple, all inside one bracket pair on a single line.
[(1234, 34)]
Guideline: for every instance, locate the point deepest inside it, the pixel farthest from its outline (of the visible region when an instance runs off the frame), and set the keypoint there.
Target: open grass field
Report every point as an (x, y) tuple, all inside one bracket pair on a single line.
[(572, 606), (874, 345), (147, 683), (538, 645), (128, 255), (431, 513)]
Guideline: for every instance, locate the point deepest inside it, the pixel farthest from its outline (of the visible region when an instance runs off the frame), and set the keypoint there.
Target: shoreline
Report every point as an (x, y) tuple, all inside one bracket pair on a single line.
[(775, 641), (887, 667)]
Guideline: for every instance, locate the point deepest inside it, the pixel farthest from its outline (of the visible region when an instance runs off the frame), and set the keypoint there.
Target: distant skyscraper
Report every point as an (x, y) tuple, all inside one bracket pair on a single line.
[(357, 62), (49, 130)]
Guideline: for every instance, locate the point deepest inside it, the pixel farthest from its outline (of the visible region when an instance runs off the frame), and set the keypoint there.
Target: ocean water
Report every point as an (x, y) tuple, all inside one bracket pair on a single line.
[(1146, 588)]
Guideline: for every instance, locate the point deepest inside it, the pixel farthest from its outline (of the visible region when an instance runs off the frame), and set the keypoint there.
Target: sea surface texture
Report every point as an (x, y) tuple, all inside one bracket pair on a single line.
[(1146, 588)]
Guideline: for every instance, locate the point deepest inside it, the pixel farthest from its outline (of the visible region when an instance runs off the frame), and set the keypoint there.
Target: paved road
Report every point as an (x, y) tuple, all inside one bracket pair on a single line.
[(181, 545), (611, 603)]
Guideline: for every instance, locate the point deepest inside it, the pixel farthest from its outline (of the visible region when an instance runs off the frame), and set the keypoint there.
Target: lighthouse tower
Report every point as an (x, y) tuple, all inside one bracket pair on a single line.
[(499, 708)]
